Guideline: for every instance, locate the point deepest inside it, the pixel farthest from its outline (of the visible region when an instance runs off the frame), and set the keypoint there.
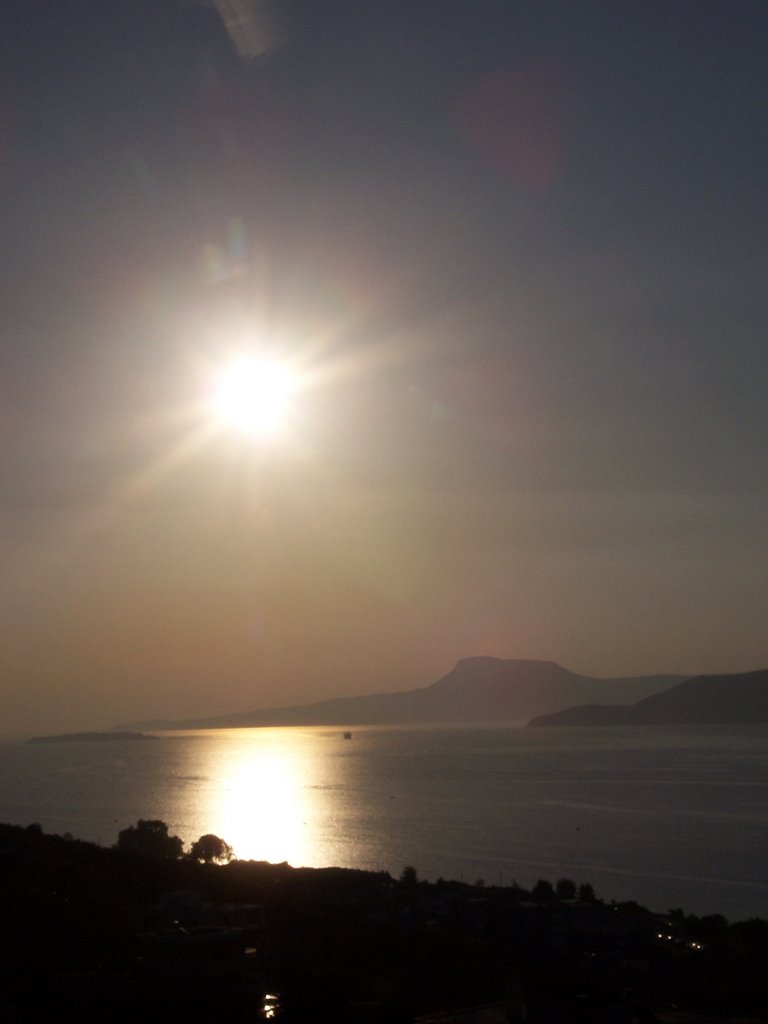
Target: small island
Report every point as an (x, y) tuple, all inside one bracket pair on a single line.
[(91, 737)]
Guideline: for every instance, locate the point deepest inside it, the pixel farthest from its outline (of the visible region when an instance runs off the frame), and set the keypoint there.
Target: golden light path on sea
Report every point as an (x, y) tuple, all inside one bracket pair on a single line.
[(262, 808), (265, 803)]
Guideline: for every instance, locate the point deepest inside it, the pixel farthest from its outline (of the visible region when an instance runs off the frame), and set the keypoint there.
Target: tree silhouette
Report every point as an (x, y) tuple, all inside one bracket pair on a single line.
[(409, 876), (149, 838), (587, 893), (565, 889), (543, 891), (210, 849)]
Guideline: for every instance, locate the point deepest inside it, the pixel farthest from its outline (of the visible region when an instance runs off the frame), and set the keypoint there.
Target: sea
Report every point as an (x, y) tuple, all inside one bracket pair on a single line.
[(666, 816)]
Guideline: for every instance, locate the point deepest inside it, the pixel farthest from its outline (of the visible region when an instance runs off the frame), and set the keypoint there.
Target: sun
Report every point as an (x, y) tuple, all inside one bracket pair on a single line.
[(254, 395)]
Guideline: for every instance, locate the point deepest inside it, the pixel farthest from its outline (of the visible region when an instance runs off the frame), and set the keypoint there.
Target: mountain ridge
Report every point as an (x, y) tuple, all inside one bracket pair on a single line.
[(477, 689), (699, 700)]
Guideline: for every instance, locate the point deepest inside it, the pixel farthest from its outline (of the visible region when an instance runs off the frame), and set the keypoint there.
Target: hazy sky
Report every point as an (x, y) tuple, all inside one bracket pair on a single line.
[(519, 252)]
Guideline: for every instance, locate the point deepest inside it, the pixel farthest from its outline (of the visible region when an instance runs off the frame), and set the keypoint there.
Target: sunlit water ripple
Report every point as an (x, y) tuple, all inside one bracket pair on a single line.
[(668, 817)]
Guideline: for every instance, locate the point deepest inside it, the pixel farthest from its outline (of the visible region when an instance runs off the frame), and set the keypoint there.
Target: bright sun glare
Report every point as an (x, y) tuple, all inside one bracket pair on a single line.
[(254, 395)]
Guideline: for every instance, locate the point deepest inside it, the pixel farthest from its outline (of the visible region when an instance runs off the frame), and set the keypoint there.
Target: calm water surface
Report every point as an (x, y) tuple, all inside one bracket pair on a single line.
[(668, 817)]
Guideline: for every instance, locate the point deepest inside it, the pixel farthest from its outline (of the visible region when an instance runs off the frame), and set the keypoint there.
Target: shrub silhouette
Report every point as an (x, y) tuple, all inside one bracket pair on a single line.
[(565, 889), (149, 838), (210, 849), (543, 891)]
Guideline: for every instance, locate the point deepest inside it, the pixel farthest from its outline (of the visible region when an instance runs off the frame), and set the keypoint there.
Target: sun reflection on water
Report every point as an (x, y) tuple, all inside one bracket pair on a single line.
[(264, 806), (272, 794)]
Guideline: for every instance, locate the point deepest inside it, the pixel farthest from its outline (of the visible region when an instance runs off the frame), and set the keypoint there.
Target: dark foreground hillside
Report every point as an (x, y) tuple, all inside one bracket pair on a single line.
[(110, 935)]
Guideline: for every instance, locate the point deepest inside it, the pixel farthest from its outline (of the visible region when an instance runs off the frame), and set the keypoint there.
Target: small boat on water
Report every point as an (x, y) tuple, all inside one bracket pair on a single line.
[(347, 735)]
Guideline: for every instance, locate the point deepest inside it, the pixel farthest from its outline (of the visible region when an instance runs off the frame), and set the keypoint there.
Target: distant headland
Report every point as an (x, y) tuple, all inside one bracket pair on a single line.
[(91, 737), (702, 700)]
